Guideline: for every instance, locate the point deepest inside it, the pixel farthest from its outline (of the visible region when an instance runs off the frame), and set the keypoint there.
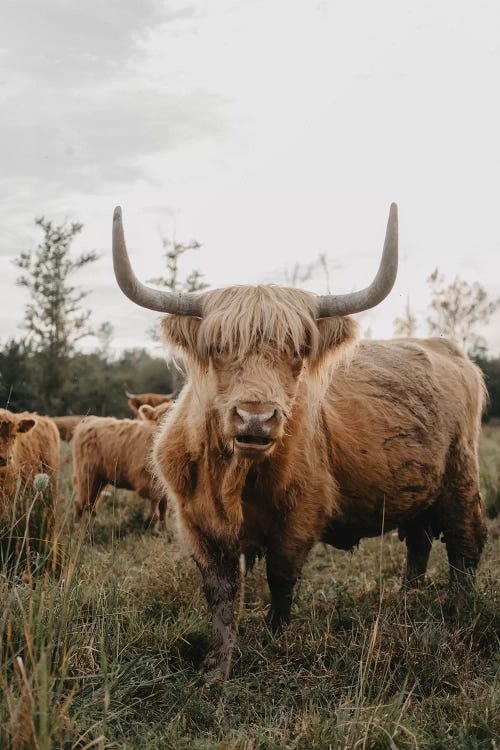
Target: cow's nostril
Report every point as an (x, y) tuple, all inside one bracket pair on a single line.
[(248, 416), (238, 415), (3, 461)]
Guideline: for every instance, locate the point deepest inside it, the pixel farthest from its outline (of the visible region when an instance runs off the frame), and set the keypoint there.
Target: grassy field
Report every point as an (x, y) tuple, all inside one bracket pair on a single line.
[(108, 656)]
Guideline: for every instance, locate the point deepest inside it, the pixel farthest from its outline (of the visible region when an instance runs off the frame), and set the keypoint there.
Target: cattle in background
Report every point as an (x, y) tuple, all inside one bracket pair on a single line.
[(67, 425), (116, 451), (287, 434), (29, 445), (136, 400)]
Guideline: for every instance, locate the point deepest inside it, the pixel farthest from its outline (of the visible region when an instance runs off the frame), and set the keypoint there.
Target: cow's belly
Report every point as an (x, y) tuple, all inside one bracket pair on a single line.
[(367, 508), (344, 535), (383, 495)]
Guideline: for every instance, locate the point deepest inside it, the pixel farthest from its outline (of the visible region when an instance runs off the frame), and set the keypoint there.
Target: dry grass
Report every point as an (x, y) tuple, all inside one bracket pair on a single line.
[(107, 657), (490, 469)]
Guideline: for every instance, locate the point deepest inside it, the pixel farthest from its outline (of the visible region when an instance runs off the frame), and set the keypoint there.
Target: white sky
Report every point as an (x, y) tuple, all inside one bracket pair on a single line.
[(269, 131)]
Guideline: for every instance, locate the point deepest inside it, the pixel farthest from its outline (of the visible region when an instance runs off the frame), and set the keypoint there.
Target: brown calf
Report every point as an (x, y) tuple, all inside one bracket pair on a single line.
[(29, 445), (116, 451)]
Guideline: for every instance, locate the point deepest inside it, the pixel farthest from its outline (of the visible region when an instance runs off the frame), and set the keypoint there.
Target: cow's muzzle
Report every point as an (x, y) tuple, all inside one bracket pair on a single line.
[(257, 427)]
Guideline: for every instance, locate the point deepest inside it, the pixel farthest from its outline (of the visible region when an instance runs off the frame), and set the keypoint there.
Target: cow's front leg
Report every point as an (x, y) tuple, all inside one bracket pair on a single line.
[(220, 583), (283, 565)]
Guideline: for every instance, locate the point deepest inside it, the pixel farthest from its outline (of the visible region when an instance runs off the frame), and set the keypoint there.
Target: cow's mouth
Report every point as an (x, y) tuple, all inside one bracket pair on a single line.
[(253, 442)]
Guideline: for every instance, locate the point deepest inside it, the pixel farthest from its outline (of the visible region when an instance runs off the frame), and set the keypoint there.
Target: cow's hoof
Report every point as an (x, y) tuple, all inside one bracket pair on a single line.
[(215, 668), (276, 622), (451, 609), (417, 583)]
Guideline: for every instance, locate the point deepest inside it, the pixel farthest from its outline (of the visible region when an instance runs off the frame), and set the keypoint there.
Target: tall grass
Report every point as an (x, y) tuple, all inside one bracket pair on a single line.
[(490, 470), (106, 655)]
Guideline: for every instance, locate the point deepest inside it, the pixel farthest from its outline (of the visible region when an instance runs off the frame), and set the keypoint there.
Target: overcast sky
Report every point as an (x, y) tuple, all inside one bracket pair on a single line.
[(270, 131)]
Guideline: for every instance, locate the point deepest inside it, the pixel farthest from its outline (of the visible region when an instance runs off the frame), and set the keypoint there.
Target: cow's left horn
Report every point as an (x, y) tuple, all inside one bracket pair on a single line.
[(346, 304), (176, 303)]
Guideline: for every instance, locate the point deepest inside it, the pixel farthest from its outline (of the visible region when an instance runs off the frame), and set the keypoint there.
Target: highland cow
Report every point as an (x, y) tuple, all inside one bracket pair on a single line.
[(29, 445), (116, 451), (287, 433)]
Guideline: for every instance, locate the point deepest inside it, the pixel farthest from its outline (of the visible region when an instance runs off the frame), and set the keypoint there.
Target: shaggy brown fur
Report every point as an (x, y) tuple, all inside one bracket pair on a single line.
[(116, 451), (147, 399), (29, 445), (67, 425), (360, 440)]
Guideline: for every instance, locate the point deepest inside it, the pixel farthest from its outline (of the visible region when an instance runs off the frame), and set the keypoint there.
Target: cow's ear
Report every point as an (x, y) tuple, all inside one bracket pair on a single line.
[(146, 412), (336, 336), (134, 404), (181, 332), (5, 429), (25, 425)]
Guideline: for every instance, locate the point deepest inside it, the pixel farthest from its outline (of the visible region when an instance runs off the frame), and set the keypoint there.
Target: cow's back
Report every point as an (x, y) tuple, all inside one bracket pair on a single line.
[(426, 380)]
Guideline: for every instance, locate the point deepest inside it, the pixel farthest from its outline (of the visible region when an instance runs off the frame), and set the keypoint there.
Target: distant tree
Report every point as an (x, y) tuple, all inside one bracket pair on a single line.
[(96, 384), (457, 309), (173, 252), (491, 371), (104, 335), (54, 319), (406, 326), (17, 387)]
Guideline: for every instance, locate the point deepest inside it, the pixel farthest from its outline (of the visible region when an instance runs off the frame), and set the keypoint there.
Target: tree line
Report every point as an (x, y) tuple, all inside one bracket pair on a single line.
[(44, 370)]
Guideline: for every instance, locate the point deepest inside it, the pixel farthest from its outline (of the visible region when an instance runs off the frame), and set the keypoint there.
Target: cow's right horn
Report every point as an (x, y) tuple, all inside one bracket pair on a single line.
[(176, 303), (347, 304)]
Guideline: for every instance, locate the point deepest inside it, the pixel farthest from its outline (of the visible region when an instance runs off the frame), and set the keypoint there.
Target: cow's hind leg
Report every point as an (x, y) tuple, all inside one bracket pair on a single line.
[(464, 536), (155, 520), (88, 492), (460, 518), (418, 538)]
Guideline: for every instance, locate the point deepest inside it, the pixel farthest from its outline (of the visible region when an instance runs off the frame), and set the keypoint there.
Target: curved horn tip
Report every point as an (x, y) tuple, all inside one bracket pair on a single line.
[(347, 304), (117, 214)]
